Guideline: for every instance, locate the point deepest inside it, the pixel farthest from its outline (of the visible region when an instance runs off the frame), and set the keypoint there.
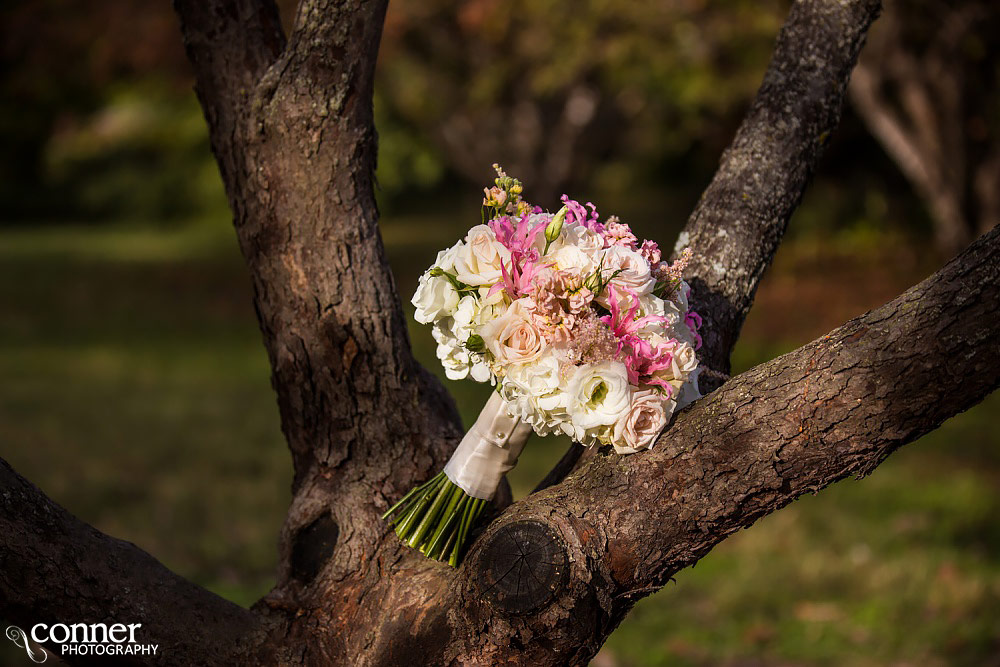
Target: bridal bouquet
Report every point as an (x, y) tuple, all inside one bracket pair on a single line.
[(582, 329)]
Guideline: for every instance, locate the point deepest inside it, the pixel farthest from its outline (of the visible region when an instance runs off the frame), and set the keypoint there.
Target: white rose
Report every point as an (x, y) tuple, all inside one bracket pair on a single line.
[(572, 258), (634, 273), (638, 427), (513, 337), (650, 304), (477, 262), (446, 258), (435, 298), (684, 361), (597, 394), (589, 242)]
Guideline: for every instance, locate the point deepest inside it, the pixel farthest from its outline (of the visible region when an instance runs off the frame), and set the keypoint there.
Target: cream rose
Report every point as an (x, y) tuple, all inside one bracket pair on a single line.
[(435, 298), (578, 236), (512, 337), (477, 261), (645, 418), (571, 258), (634, 273), (684, 361), (597, 394)]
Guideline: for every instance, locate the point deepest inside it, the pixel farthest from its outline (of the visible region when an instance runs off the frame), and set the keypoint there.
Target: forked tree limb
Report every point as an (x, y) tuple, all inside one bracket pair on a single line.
[(363, 421), (742, 215), (617, 530), (833, 408)]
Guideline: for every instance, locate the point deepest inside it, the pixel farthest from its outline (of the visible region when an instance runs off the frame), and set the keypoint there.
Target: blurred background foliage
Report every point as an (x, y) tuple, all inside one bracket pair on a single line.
[(134, 387)]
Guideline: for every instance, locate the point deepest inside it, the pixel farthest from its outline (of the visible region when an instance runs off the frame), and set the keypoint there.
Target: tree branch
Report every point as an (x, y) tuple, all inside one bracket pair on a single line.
[(834, 408), (362, 419), (230, 43), (56, 569), (742, 215)]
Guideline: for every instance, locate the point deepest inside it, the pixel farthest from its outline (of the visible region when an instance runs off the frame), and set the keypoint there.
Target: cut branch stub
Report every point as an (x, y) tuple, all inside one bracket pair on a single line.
[(522, 567)]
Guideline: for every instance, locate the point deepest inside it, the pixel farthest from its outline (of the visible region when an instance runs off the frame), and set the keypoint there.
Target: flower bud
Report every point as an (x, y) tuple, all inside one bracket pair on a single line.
[(555, 226), (476, 344)]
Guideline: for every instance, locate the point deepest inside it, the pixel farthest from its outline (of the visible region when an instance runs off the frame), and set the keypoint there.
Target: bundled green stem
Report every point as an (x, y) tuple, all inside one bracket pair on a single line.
[(436, 517)]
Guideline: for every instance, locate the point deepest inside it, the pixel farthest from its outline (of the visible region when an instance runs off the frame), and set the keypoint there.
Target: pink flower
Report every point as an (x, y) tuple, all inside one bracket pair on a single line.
[(618, 233), (642, 359), (524, 256), (559, 297), (651, 252), (577, 214), (693, 321)]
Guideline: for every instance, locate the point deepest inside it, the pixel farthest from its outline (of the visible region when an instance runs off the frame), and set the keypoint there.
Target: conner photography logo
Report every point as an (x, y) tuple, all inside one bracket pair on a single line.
[(80, 639)]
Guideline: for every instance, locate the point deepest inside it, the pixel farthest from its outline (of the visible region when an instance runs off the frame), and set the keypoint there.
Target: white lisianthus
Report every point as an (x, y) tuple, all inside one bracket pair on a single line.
[(435, 298), (513, 338), (477, 261), (597, 394), (681, 296), (680, 331), (634, 273), (637, 428)]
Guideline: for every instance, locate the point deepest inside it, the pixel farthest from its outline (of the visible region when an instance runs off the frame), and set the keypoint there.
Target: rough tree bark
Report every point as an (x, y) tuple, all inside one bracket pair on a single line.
[(291, 127)]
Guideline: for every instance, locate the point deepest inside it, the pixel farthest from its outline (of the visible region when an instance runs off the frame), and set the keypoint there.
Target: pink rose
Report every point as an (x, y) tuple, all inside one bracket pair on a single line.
[(513, 338), (639, 426)]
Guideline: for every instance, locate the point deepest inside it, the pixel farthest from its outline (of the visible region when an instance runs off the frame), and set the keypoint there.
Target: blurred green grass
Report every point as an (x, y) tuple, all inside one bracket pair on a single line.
[(135, 392)]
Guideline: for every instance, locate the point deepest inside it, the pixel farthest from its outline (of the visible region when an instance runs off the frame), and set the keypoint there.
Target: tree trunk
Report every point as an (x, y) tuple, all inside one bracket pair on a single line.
[(291, 125)]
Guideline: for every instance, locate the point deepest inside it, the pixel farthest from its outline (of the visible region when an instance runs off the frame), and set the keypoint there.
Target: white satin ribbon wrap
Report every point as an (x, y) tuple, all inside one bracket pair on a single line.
[(488, 450)]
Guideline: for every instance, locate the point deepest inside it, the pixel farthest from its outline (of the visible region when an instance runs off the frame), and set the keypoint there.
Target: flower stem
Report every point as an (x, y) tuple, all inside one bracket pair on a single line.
[(436, 518)]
